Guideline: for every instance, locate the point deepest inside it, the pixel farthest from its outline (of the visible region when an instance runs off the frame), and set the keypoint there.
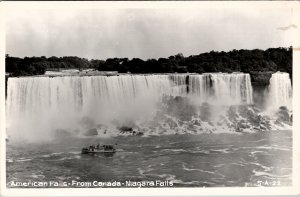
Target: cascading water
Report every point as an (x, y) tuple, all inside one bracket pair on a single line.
[(279, 91), (222, 88), (42, 103), (38, 105)]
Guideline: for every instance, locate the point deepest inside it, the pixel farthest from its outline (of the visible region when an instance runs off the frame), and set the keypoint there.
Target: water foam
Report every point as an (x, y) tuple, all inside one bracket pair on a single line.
[(37, 106)]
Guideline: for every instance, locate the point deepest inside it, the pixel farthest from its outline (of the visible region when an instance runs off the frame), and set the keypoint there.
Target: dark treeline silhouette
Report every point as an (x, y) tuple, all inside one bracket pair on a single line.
[(273, 59)]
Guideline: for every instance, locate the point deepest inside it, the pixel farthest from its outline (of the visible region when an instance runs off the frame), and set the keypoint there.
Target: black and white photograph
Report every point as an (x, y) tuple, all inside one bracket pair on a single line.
[(149, 95)]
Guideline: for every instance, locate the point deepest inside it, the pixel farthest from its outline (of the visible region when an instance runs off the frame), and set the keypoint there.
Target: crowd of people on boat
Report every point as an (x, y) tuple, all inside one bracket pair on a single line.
[(94, 147)]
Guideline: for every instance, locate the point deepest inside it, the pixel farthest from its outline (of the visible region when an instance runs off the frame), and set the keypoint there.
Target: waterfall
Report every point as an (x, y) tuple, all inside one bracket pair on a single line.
[(279, 91), (222, 88), (181, 84), (48, 103)]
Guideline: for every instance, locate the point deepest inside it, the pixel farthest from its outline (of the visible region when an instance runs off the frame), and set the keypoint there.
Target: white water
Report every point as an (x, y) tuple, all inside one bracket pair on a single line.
[(36, 106), (279, 91), (226, 89)]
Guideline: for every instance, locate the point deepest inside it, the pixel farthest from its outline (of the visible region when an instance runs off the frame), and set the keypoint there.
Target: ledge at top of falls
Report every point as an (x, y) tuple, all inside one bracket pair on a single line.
[(112, 73), (258, 78)]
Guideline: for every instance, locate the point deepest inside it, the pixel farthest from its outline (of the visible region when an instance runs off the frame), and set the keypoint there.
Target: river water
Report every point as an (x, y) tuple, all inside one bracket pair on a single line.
[(193, 130), (203, 160)]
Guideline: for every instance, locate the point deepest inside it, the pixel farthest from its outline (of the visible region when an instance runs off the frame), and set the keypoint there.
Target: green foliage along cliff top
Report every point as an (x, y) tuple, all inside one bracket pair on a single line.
[(273, 59)]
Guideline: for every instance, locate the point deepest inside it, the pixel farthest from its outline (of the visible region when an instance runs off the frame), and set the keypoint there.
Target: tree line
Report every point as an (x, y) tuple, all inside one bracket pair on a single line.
[(272, 59)]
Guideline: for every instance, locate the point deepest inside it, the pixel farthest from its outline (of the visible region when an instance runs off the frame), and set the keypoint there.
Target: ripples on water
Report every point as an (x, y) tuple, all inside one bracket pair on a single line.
[(205, 160)]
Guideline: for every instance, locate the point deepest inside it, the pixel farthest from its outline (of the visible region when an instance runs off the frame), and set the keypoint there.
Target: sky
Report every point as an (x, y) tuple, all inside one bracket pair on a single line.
[(144, 32)]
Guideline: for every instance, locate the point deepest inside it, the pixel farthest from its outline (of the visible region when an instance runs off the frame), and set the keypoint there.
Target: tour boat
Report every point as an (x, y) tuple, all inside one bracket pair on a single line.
[(93, 149)]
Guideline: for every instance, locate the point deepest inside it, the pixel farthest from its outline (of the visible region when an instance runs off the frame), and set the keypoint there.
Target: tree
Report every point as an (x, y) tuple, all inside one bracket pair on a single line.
[(273, 59)]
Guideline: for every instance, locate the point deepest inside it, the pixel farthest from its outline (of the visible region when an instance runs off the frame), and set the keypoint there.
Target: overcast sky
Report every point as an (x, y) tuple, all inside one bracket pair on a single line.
[(143, 33)]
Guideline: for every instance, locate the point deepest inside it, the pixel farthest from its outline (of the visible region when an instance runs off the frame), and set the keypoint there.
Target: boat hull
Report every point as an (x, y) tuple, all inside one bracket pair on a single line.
[(86, 151)]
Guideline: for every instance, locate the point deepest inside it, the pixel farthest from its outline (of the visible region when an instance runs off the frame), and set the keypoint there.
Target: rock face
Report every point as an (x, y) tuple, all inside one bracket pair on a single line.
[(283, 115), (260, 78), (91, 132), (260, 82), (6, 78), (247, 117)]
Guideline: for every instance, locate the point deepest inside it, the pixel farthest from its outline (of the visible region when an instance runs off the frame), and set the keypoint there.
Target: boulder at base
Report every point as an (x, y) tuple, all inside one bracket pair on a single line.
[(283, 115), (125, 129)]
